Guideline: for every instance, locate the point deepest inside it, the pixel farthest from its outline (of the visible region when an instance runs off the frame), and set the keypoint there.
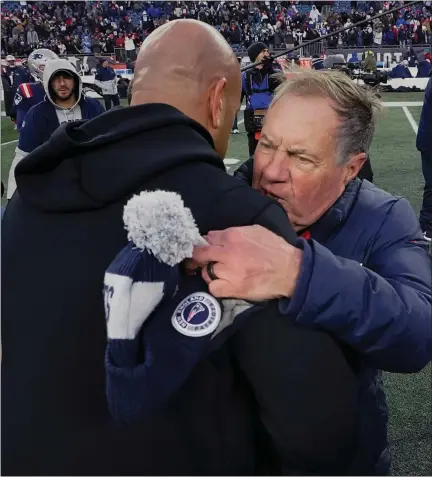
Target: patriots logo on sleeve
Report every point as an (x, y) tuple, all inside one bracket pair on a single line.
[(36, 56), (17, 99)]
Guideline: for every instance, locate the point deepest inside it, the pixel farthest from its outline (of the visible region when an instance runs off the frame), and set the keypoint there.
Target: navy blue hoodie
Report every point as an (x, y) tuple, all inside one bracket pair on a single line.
[(275, 399)]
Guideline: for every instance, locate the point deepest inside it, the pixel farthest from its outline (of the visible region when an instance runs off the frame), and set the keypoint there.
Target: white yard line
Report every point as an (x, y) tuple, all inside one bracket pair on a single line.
[(10, 142), (410, 119), (402, 104), (231, 161)]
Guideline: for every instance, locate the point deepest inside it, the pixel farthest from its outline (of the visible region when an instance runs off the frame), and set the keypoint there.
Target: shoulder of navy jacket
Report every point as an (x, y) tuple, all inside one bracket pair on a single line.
[(338, 212)]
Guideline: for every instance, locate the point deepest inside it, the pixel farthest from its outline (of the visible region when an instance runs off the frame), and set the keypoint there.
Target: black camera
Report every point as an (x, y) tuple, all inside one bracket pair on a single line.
[(373, 78)]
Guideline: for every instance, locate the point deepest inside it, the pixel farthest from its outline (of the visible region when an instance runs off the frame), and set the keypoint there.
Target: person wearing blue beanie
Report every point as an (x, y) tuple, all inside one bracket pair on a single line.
[(149, 357)]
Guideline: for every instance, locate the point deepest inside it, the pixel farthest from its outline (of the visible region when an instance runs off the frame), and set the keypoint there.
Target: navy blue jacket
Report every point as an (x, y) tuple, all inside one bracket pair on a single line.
[(366, 279), (105, 74), (27, 95), (41, 121), (18, 75), (424, 69), (258, 87), (424, 135), (400, 71)]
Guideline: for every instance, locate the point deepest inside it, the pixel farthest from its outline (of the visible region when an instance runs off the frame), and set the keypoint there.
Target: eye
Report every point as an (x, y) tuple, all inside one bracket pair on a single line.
[(304, 160), (265, 145)]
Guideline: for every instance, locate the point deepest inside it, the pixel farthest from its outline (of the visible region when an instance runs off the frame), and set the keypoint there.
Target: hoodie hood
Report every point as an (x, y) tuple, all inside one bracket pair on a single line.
[(51, 67), (87, 165)]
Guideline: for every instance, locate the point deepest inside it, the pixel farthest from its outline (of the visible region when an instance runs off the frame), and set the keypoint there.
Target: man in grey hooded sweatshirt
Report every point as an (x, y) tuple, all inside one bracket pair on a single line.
[(64, 102)]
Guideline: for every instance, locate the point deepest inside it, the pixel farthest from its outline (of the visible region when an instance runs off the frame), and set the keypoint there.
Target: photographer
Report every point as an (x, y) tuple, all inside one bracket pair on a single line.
[(258, 86)]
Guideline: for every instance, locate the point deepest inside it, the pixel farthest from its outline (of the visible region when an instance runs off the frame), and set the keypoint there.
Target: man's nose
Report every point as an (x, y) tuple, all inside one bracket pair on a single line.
[(273, 171)]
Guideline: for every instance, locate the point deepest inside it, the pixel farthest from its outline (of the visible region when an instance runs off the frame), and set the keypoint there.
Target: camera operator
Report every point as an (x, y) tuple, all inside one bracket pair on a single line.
[(258, 86)]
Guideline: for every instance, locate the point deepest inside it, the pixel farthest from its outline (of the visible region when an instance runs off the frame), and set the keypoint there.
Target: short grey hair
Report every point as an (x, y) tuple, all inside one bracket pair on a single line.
[(358, 108)]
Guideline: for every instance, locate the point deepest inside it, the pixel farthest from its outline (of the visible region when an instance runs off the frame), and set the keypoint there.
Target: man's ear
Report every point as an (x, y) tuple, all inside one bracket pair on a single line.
[(216, 102), (353, 167)]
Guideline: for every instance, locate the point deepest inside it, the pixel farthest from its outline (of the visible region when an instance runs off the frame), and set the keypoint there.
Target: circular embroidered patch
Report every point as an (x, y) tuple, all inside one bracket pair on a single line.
[(197, 315)]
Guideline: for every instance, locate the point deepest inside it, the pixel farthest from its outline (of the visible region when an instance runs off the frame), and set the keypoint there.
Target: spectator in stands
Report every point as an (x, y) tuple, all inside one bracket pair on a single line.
[(130, 48), (402, 36), (21, 25), (314, 14), (106, 79)]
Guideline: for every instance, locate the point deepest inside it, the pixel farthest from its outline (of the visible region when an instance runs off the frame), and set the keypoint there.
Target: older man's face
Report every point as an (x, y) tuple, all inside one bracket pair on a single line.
[(295, 160)]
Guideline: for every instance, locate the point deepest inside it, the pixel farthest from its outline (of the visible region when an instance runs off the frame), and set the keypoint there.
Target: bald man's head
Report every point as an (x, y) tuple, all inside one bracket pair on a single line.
[(189, 65)]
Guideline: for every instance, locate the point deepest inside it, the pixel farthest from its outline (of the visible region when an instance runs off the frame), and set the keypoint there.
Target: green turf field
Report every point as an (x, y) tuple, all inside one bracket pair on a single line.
[(397, 169)]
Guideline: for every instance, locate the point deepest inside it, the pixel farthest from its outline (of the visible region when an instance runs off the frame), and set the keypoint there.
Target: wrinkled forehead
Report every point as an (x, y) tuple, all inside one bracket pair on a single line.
[(309, 120)]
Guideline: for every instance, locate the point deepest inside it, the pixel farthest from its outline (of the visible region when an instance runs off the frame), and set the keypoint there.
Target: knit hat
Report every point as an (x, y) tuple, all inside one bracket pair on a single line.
[(255, 49), (160, 322), (146, 270)]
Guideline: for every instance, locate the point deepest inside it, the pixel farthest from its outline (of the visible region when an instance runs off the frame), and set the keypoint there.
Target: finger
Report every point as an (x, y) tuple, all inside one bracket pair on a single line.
[(204, 255), (205, 275), (221, 289), (215, 237), (219, 269)]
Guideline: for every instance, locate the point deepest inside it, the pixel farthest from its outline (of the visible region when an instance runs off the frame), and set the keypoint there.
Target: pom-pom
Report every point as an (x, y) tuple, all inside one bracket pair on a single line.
[(160, 223)]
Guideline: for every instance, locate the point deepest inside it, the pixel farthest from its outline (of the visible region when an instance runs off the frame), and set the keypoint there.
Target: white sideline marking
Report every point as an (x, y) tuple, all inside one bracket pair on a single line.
[(410, 119), (10, 142), (231, 161), (388, 104), (403, 104)]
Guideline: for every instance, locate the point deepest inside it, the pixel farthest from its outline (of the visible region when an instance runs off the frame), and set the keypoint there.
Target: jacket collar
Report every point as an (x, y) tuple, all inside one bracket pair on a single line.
[(337, 214)]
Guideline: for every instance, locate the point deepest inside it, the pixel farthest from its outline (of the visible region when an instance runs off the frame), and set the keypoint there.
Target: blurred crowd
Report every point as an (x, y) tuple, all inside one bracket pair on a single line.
[(99, 27)]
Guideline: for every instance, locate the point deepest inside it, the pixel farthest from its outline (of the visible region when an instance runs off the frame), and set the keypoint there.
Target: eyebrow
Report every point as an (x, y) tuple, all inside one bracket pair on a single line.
[(266, 138), (298, 152), (294, 151)]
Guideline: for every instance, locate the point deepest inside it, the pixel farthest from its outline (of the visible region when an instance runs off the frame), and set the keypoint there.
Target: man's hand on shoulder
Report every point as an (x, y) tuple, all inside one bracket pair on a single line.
[(252, 263)]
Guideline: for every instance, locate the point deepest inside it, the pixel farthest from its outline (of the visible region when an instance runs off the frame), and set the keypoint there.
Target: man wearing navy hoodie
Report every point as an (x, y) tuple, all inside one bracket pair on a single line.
[(64, 102), (62, 229)]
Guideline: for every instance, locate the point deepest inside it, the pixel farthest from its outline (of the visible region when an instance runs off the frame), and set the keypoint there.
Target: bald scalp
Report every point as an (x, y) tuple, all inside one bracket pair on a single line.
[(180, 61)]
